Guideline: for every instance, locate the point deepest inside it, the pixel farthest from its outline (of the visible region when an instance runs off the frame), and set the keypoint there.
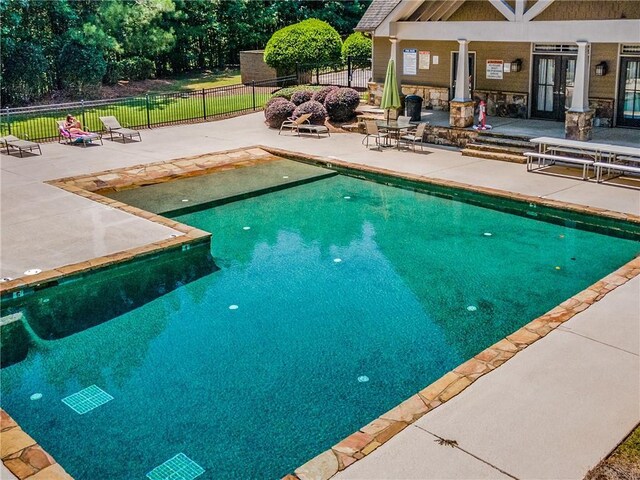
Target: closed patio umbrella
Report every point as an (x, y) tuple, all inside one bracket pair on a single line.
[(390, 95)]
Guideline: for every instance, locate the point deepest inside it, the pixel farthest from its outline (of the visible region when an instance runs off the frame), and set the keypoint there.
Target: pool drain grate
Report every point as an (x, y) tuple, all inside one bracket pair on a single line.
[(87, 399), (179, 467)]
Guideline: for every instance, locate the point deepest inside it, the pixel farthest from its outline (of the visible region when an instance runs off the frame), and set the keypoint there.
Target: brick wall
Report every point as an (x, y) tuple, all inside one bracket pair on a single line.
[(253, 68)]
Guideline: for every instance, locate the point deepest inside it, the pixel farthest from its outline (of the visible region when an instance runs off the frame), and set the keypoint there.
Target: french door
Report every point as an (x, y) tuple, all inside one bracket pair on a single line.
[(553, 82), (629, 92)]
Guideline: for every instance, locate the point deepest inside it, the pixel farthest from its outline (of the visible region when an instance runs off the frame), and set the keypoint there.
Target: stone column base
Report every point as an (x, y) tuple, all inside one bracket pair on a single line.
[(579, 125), (461, 113)]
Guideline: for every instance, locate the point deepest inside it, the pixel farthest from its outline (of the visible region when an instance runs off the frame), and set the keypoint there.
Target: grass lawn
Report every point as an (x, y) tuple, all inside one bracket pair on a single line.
[(198, 81), (162, 109)]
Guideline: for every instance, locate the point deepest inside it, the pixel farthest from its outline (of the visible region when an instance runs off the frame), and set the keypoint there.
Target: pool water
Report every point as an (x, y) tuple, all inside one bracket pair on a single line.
[(328, 304)]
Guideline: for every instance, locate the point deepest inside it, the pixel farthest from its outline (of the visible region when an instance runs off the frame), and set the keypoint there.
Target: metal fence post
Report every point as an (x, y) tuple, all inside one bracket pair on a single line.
[(84, 120), (8, 122), (204, 104), (148, 114), (349, 72), (253, 91)]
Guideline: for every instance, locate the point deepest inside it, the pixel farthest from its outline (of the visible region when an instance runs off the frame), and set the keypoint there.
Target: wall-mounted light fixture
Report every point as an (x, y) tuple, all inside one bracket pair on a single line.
[(516, 65), (601, 69)]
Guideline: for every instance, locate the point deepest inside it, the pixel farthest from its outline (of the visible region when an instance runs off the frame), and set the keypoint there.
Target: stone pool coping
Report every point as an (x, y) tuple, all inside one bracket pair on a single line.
[(26, 459), (92, 186)]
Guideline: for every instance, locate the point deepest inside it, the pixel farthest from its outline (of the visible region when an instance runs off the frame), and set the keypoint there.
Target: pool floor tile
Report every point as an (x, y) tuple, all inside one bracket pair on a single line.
[(179, 467), (87, 399)]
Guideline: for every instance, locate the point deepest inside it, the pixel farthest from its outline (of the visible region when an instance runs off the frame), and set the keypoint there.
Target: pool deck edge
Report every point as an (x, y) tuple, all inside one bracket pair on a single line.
[(361, 443)]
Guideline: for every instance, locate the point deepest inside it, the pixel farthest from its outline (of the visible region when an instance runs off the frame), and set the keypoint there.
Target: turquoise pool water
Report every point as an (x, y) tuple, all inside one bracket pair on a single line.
[(333, 281)]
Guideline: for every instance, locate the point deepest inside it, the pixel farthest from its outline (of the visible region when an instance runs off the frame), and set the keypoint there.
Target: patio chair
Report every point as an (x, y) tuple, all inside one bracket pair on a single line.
[(65, 136), (415, 137), (11, 141), (294, 123), (373, 132), (112, 126)]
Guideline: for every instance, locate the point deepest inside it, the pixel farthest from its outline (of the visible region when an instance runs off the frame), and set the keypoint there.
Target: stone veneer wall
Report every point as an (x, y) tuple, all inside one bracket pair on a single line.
[(604, 111), (434, 98), (503, 104)]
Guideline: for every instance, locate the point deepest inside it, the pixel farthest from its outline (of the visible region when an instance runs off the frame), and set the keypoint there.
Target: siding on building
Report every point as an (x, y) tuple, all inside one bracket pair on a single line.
[(381, 54), (477, 11), (508, 52), (590, 10), (605, 86)]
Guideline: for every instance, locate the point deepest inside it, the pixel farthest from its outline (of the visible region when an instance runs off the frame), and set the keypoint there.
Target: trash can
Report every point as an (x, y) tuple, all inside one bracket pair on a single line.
[(413, 107)]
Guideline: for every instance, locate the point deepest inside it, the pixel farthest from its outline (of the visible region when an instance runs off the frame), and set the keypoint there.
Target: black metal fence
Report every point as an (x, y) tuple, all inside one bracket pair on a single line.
[(39, 122)]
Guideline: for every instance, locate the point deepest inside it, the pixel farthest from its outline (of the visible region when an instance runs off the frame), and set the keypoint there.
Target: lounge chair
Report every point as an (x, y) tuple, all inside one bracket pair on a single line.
[(294, 123), (67, 137), (11, 141), (112, 126), (373, 132), (414, 137)]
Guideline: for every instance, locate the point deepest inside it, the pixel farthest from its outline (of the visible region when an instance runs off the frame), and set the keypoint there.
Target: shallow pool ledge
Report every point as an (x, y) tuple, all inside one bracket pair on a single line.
[(361, 443)]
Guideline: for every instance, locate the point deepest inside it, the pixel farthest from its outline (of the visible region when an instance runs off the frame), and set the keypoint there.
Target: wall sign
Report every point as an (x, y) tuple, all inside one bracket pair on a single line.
[(494, 69), (424, 60), (410, 61), (435, 60)]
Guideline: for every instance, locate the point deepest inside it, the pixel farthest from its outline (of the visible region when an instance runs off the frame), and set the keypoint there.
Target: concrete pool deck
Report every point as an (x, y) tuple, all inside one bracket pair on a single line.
[(552, 412)]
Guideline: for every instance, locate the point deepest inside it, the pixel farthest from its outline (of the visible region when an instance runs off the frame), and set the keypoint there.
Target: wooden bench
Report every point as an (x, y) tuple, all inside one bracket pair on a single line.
[(599, 166), (543, 157)]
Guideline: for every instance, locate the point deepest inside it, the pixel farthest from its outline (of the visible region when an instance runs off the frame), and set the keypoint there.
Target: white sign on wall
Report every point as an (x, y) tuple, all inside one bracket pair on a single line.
[(424, 60), (494, 69), (410, 61), (435, 60)]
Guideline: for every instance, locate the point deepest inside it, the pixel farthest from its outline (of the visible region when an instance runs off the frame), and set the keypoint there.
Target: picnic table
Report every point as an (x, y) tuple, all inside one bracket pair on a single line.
[(600, 156)]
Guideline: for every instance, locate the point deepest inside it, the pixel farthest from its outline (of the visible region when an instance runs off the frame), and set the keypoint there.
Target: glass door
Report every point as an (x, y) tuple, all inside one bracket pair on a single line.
[(553, 82), (629, 93)]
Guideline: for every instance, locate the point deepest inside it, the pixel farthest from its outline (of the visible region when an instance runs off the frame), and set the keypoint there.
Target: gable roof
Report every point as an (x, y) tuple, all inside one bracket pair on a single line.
[(375, 14)]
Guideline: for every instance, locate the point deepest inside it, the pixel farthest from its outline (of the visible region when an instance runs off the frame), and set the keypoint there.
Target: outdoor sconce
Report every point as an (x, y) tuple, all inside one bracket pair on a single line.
[(516, 65), (601, 69)]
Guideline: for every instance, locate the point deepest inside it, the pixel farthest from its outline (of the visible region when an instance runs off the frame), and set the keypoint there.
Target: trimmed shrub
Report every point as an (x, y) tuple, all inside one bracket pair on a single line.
[(301, 96), (273, 100), (317, 111), (358, 47), (310, 42), (321, 94), (341, 104), (278, 112), (287, 92)]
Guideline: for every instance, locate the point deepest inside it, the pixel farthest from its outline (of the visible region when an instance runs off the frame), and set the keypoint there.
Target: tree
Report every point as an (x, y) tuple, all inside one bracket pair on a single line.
[(358, 47), (80, 67), (310, 42)]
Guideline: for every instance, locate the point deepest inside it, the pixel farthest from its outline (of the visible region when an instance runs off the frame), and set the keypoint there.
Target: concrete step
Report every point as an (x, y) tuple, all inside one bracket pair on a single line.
[(505, 136), (505, 157), (499, 148)]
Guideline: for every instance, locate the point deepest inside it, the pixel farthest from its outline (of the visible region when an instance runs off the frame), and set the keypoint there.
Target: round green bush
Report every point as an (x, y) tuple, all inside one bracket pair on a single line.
[(359, 48), (302, 96), (321, 94), (287, 92), (317, 111), (278, 112), (341, 104), (310, 42)]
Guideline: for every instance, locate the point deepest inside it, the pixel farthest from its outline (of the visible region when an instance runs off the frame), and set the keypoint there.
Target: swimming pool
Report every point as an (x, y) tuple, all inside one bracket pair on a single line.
[(328, 304)]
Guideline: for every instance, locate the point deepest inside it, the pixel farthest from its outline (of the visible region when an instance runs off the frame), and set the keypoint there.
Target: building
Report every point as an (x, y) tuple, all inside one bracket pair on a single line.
[(576, 61)]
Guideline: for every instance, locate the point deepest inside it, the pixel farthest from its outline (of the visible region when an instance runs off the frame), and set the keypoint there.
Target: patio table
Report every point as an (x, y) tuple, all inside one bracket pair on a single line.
[(600, 151), (395, 128)]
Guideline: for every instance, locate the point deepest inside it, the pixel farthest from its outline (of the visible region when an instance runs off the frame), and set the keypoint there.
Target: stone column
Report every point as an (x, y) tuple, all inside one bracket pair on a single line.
[(462, 106), (578, 123)]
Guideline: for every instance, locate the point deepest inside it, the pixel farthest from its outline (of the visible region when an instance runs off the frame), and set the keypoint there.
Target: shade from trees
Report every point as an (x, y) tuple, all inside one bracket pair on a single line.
[(67, 44)]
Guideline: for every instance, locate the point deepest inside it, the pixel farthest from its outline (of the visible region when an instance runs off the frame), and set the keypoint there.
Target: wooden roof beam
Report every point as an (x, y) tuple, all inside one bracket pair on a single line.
[(536, 9), (455, 5), (505, 9)]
